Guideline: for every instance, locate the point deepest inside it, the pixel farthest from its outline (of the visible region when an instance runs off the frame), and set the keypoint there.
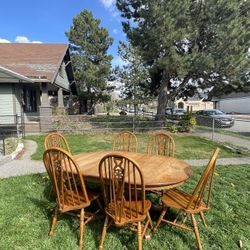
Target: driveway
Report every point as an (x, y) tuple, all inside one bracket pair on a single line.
[(233, 140)]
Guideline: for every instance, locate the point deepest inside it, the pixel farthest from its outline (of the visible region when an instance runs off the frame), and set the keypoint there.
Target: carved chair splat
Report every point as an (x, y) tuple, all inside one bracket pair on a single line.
[(56, 139), (125, 141), (161, 143)]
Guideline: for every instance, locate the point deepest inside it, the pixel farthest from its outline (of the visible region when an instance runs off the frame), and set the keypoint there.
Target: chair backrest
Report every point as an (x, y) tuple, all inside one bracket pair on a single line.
[(125, 141), (203, 190), (66, 178), (56, 139), (122, 185), (161, 143)]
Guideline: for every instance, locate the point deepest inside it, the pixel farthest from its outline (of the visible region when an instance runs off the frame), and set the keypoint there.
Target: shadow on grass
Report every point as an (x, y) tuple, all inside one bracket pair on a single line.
[(47, 208)]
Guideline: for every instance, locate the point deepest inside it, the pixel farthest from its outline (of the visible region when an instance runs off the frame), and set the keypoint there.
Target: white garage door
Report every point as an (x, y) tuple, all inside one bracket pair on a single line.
[(237, 105)]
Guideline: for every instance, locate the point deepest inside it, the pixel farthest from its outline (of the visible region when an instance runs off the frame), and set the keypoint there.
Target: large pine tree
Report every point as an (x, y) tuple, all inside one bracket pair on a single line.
[(88, 45), (191, 46)]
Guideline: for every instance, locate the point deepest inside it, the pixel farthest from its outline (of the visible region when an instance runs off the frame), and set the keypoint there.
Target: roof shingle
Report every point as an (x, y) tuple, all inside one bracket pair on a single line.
[(35, 61)]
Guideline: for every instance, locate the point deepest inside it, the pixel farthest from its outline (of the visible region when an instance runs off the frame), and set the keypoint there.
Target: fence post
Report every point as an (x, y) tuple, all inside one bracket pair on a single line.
[(133, 124), (16, 125), (213, 130), (3, 146)]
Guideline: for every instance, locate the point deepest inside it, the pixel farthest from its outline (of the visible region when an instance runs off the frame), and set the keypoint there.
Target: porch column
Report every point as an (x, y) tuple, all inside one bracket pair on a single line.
[(61, 108), (45, 110)]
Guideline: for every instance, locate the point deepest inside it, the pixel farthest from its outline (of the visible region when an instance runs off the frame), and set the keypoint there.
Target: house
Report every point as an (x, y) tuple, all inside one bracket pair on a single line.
[(193, 103), (233, 103), (29, 75)]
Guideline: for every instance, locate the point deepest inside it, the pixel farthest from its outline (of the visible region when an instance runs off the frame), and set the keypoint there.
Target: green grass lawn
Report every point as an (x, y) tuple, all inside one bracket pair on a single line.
[(187, 146), (25, 215)]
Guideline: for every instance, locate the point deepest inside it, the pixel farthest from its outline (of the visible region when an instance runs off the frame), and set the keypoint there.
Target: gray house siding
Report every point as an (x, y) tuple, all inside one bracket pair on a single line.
[(11, 103), (6, 104)]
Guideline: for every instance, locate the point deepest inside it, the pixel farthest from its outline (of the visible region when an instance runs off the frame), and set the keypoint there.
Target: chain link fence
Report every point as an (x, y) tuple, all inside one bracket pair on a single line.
[(80, 123), (235, 127), (234, 130)]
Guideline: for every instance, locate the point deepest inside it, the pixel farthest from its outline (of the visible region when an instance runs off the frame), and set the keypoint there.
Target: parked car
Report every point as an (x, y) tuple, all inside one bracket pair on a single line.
[(175, 113), (131, 110), (168, 111), (221, 120)]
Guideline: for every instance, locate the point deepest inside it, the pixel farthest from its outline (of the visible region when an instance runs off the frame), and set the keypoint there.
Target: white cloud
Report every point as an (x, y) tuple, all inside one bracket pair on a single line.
[(19, 39), (36, 42), (110, 6), (2, 40), (108, 3), (115, 31), (22, 39)]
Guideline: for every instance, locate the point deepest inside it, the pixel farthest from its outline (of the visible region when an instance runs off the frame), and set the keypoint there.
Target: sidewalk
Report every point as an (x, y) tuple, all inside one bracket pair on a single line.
[(241, 116), (25, 165), (233, 140)]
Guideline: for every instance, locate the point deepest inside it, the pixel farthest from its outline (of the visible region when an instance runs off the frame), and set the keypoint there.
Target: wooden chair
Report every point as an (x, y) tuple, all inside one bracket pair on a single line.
[(191, 204), (56, 139), (125, 141), (68, 184), (161, 143), (124, 195)]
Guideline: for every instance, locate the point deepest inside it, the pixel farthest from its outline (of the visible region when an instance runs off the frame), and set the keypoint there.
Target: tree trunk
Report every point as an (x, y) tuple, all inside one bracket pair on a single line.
[(83, 105), (91, 108), (163, 97)]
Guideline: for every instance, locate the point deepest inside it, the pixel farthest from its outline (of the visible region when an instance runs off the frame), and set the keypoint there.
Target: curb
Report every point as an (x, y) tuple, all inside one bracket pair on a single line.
[(13, 155)]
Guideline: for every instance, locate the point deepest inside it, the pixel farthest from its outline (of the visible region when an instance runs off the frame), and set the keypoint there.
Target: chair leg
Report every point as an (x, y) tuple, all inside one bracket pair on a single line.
[(81, 228), (53, 224), (203, 219), (99, 204), (150, 221), (196, 231), (104, 231), (139, 236), (160, 218)]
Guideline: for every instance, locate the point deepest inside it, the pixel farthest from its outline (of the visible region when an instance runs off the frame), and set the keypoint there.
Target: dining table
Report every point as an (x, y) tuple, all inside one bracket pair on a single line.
[(159, 172)]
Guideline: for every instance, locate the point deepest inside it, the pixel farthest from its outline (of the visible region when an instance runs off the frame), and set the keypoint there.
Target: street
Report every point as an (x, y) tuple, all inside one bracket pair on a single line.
[(241, 126)]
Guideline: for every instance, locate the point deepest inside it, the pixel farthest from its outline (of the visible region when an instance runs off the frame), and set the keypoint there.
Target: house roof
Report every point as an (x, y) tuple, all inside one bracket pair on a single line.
[(39, 62), (7, 74)]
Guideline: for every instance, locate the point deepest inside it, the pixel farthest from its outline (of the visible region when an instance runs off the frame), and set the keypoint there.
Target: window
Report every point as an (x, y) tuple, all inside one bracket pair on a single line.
[(29, 99)]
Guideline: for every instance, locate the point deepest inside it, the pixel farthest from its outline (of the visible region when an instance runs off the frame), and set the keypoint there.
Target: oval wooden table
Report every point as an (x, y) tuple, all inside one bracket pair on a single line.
[(159, 172)]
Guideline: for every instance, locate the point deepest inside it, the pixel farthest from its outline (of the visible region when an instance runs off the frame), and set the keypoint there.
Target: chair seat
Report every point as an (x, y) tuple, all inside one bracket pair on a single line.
[(179, 199), (72, 202), (128, 217)]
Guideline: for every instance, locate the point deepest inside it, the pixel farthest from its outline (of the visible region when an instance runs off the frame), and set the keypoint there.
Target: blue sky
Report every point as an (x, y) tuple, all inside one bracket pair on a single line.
[(46, 21)]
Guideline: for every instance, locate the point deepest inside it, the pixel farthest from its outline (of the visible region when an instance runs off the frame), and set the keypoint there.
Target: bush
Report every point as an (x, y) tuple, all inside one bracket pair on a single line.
[(188, 123), (172, 129)]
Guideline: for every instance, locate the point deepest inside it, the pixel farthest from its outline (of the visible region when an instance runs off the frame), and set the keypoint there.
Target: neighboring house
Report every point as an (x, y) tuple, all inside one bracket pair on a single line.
[(234, 103), (29, 74), (193, 103)]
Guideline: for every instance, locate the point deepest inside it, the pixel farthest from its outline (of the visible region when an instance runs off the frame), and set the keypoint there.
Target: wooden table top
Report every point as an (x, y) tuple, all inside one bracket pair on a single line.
[(160, 172)]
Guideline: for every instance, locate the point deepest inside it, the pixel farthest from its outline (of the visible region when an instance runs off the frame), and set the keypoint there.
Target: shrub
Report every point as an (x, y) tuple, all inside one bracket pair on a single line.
[(172, 129), (188, 123)]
